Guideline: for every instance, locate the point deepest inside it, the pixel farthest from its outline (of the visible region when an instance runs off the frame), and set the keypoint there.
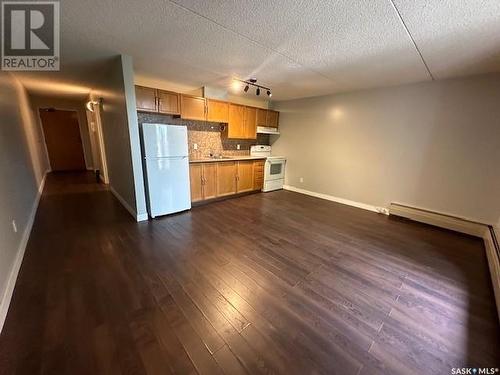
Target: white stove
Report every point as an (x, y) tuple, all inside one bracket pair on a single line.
[(274, 168)]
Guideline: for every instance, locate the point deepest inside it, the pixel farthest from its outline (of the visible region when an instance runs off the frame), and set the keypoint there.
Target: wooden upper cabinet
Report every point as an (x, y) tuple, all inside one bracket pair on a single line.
[(196, 181), (218, 111), (168, 102), (261, 117), (226, 178), (244, 179), (145, 99), (250, 122), (236, 125), (272, 118), (267, 117), (193, 108)]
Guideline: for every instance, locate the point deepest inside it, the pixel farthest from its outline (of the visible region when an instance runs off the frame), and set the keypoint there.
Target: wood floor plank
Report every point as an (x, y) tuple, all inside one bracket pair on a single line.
[(266, 283)]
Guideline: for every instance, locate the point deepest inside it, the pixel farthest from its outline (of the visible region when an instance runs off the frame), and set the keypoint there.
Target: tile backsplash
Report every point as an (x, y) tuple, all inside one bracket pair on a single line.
[(209, 136)]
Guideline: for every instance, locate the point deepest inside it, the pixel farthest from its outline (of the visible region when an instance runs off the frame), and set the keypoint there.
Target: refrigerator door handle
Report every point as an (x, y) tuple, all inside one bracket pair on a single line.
[(166, 157)]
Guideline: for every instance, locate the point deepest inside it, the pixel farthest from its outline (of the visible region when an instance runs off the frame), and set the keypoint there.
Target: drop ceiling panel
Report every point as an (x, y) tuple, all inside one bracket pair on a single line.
[(456, 37), (299, 48), (356, 43)]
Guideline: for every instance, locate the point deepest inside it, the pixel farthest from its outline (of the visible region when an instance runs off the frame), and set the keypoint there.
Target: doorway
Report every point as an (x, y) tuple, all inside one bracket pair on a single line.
[(62, 137)]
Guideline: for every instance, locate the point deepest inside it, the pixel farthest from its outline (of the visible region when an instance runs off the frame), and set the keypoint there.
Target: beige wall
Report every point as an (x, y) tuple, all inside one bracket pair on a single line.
[(433, 145), (38, 102), (121, 133), (22, 167)]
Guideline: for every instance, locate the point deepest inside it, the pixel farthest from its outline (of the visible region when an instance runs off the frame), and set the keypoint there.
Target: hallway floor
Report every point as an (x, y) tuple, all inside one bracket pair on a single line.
[(266, 283)]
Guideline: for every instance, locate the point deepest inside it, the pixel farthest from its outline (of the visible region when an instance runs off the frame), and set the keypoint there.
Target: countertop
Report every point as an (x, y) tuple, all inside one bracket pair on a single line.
[(227, 158)]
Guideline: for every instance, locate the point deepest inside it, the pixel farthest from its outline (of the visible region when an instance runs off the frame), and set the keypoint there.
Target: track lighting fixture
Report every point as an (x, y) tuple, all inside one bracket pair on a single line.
[(251, 82)]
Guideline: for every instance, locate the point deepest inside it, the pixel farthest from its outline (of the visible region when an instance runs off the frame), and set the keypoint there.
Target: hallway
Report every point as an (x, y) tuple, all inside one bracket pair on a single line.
[(300, 286)]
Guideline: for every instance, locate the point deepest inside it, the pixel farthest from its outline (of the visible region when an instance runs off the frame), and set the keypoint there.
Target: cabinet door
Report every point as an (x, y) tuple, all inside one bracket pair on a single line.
[(261, 117), (250, 122), (145, 99), (226, 178), (218, 111), (168, 102), (193, 108), (244, 178), (236, 126), (258, 174), (272, 118), (209, 180), (195, 179)]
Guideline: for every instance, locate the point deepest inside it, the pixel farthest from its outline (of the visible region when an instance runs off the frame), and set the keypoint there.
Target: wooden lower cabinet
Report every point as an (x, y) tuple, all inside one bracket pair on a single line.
[(209, 180), (203, 179), (226, 178), (219, 179), (196, 181), (258, 175), (244, 176)]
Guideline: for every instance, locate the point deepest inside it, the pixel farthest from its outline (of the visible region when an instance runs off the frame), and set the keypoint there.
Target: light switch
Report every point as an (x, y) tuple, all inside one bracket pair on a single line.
[(195, 146)]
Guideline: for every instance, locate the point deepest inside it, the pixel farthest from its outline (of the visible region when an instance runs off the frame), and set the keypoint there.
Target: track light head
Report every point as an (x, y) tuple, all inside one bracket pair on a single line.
[(257, 92), (269, 93), (246, 88)]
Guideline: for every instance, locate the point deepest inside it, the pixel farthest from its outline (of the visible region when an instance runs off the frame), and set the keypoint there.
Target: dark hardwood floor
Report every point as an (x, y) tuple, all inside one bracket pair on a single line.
[(267, 283)]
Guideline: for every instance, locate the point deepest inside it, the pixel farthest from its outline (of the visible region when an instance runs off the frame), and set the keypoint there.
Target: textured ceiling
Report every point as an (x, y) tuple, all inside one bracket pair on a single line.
[(299, 48)]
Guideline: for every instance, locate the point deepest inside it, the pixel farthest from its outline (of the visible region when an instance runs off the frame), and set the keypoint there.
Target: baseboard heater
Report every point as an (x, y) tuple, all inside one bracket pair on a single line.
[(488, 233), (493, 254)]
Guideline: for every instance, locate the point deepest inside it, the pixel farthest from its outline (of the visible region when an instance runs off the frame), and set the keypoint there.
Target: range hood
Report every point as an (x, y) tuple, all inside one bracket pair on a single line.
[(267, 130)]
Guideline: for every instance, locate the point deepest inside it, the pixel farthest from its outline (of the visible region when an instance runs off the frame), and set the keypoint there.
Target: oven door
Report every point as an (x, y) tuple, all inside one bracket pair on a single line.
[(275, 170)]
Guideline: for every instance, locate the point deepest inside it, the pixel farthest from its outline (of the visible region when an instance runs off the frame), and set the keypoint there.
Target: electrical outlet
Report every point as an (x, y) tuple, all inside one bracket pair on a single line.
[(14, 226), (301, 179), (195, 146), (237, 147)]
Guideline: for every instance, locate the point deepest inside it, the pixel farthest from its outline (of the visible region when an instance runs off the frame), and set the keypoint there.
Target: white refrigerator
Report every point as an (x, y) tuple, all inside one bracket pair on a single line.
[(166, 166)]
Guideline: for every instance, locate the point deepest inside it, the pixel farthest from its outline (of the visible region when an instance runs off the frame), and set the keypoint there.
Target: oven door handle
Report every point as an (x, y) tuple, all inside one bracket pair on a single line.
[(276, 161)]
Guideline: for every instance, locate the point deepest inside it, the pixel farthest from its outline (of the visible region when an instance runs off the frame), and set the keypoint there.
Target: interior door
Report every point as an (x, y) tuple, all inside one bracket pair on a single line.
[(63, 140)]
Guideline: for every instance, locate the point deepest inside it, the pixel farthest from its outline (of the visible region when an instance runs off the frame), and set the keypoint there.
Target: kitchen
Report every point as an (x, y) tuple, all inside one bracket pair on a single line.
[(224, 148)]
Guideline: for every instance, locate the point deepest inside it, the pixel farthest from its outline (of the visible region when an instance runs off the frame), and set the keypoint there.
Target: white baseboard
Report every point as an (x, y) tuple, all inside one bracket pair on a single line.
[(11, 282), (348, 202), (494, 263), (439, 219), (137, 217)]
